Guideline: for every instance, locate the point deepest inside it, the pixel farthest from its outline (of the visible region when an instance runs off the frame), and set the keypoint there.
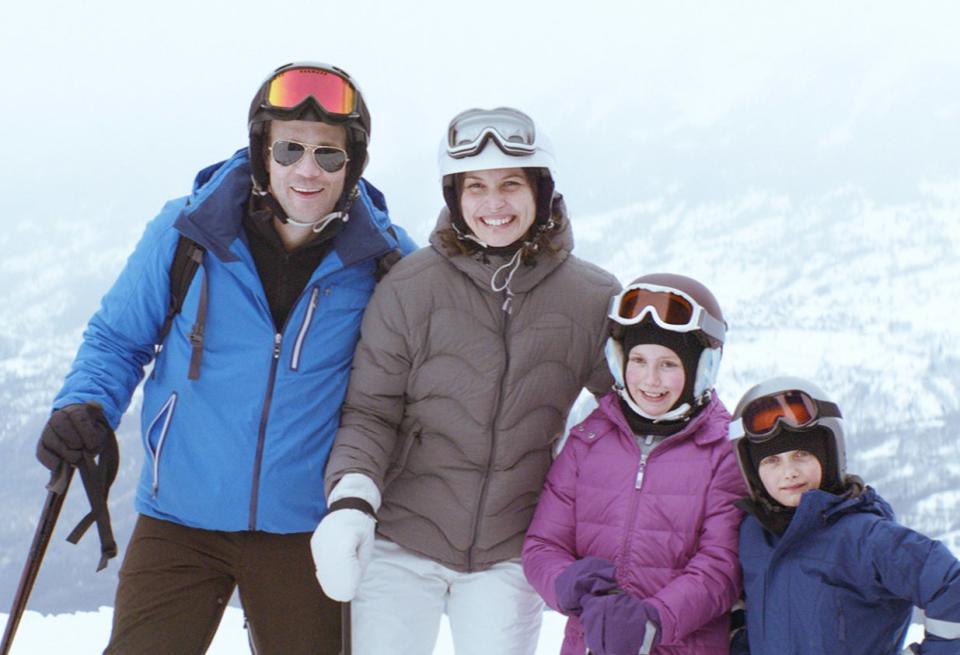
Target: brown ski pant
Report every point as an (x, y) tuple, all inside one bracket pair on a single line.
[(175, 583)]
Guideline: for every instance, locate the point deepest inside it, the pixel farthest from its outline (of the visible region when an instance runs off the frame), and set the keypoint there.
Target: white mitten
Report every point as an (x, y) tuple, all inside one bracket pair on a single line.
[(343, 542)]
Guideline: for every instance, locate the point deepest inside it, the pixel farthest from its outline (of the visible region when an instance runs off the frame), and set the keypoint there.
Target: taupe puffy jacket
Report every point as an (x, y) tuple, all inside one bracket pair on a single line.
[(454, 404)]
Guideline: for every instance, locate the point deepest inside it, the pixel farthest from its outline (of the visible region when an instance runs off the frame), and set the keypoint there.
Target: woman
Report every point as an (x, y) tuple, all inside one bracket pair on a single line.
[(472, 353)]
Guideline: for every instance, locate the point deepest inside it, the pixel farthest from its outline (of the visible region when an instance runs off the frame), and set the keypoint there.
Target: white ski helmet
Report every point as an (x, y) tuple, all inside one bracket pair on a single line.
[(519, 143), (487, 139)]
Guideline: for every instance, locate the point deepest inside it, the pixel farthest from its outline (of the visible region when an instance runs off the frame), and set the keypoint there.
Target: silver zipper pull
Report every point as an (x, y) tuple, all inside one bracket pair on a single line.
[(643, 465), (276, 345)]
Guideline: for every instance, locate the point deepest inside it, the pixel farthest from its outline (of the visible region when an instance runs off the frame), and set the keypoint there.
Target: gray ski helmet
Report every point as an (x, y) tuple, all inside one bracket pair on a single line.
[(355, 119), (821, 420), (708, 365), (486, 139)]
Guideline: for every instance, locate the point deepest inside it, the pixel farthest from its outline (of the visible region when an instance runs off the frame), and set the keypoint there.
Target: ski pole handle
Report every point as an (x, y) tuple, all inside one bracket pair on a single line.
[(60, 479)]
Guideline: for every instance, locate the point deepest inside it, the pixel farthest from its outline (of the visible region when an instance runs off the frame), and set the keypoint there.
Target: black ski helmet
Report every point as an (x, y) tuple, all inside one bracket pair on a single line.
[(356, 123)]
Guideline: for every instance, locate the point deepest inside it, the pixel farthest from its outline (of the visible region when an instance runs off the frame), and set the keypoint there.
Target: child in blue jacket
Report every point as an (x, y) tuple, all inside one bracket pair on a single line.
[(826, 569)]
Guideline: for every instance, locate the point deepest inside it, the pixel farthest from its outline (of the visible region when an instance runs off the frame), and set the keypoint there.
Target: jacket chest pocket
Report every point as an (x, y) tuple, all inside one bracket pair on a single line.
[(326, 332)]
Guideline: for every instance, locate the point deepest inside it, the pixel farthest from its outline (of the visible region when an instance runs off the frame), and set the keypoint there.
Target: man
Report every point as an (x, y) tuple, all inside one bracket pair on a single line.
[(240, 410)]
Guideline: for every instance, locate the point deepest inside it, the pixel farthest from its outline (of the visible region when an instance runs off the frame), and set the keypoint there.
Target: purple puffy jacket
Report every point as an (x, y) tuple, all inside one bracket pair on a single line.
[(670, 526)]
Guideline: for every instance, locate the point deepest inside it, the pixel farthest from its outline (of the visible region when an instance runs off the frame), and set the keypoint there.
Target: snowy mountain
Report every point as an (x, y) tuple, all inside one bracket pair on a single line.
[(855, 294)]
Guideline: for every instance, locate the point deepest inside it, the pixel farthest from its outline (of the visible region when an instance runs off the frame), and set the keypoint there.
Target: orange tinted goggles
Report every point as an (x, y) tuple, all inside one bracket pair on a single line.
[(669, 308), (795, 409), (332, 92)]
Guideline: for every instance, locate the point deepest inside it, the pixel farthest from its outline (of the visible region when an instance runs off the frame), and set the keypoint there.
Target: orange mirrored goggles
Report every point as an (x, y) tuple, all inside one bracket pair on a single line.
[(795, 409), (289, 88)]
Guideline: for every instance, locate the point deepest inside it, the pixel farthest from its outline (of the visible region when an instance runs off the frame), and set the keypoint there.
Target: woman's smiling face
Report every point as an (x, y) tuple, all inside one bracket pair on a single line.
[(498, 205)]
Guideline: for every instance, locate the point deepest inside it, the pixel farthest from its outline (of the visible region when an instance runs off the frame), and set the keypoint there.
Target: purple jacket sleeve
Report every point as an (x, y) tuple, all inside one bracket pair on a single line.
[(710, 583), (550, 546)]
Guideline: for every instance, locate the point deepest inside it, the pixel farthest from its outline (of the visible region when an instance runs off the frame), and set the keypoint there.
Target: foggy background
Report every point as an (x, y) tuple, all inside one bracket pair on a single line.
[(801, 159)]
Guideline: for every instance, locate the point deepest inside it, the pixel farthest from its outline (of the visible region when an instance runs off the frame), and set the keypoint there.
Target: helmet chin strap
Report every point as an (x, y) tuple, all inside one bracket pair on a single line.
[(318, 225), (672, 415)]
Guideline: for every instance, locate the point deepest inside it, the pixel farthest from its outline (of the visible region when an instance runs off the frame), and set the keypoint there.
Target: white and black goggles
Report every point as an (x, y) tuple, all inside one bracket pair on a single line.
[(511, 130), (669, 308)]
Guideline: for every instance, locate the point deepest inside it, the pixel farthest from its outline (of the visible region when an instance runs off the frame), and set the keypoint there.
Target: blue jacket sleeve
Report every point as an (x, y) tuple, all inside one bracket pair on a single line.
[(119, 340), (406, 244), (922, 570)]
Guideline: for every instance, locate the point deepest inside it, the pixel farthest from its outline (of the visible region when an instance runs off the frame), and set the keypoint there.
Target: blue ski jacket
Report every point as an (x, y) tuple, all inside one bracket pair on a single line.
[(844, 578), (244, 446)]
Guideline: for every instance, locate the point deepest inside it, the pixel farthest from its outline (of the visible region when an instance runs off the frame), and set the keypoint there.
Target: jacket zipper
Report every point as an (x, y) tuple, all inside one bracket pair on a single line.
[(304, 328), (493, 443), (262, 433), (643, 465), (632, 506), (638, 488), (166, 411), (268, 395)]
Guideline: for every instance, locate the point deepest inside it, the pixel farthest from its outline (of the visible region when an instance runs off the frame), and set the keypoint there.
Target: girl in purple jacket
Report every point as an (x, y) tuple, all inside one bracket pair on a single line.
[(635, 535)]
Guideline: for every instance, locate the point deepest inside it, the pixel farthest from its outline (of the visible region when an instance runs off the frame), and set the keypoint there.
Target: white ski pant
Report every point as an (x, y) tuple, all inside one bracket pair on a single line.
[(402, 597)]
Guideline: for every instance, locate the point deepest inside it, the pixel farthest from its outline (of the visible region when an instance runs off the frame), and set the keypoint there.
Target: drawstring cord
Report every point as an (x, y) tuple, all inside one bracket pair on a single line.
[(530, 245), (513, 264)]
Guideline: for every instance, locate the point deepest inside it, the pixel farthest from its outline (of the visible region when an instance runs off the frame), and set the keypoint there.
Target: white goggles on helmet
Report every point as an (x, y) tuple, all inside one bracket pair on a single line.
[(511, 130)]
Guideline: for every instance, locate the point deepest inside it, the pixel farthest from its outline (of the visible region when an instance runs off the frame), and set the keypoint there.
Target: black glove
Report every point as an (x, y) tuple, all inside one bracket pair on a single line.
[(71, 432)]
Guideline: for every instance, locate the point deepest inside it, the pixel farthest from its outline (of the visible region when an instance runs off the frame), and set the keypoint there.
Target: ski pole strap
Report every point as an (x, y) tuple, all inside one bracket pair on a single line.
[(97, 476)]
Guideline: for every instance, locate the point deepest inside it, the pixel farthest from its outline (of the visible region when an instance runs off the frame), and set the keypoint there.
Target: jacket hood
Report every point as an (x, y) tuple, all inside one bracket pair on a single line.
[(213, 215)]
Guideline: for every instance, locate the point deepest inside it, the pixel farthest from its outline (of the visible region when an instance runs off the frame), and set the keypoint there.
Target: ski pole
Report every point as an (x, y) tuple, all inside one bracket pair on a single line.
[(57, 492), (345, 636)]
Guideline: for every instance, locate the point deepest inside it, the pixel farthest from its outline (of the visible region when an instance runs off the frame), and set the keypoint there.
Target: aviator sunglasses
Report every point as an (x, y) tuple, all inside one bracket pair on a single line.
[(330, 158)]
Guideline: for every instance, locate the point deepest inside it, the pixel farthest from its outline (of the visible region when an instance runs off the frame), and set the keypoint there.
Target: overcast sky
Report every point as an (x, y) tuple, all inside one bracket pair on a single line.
[(110, 107)]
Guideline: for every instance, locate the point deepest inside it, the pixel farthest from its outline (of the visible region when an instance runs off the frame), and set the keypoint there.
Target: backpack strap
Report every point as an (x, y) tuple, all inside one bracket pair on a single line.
[(386, 261), (196, 332), (186, 260)]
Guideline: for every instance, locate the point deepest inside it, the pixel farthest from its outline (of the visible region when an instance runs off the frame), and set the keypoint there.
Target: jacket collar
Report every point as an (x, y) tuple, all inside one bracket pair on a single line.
[(707, 427), (213, 215), (818, 509), (526, 277)]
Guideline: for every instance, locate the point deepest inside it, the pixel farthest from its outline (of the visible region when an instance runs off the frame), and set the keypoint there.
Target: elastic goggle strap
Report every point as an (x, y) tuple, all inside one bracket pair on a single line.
[(288, 88), (671, 309), (793, 408), (512, 131)]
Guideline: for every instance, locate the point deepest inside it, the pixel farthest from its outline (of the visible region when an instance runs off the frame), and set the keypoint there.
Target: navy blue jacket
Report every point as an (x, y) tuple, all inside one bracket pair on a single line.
[(244, 446), (844, 578)]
